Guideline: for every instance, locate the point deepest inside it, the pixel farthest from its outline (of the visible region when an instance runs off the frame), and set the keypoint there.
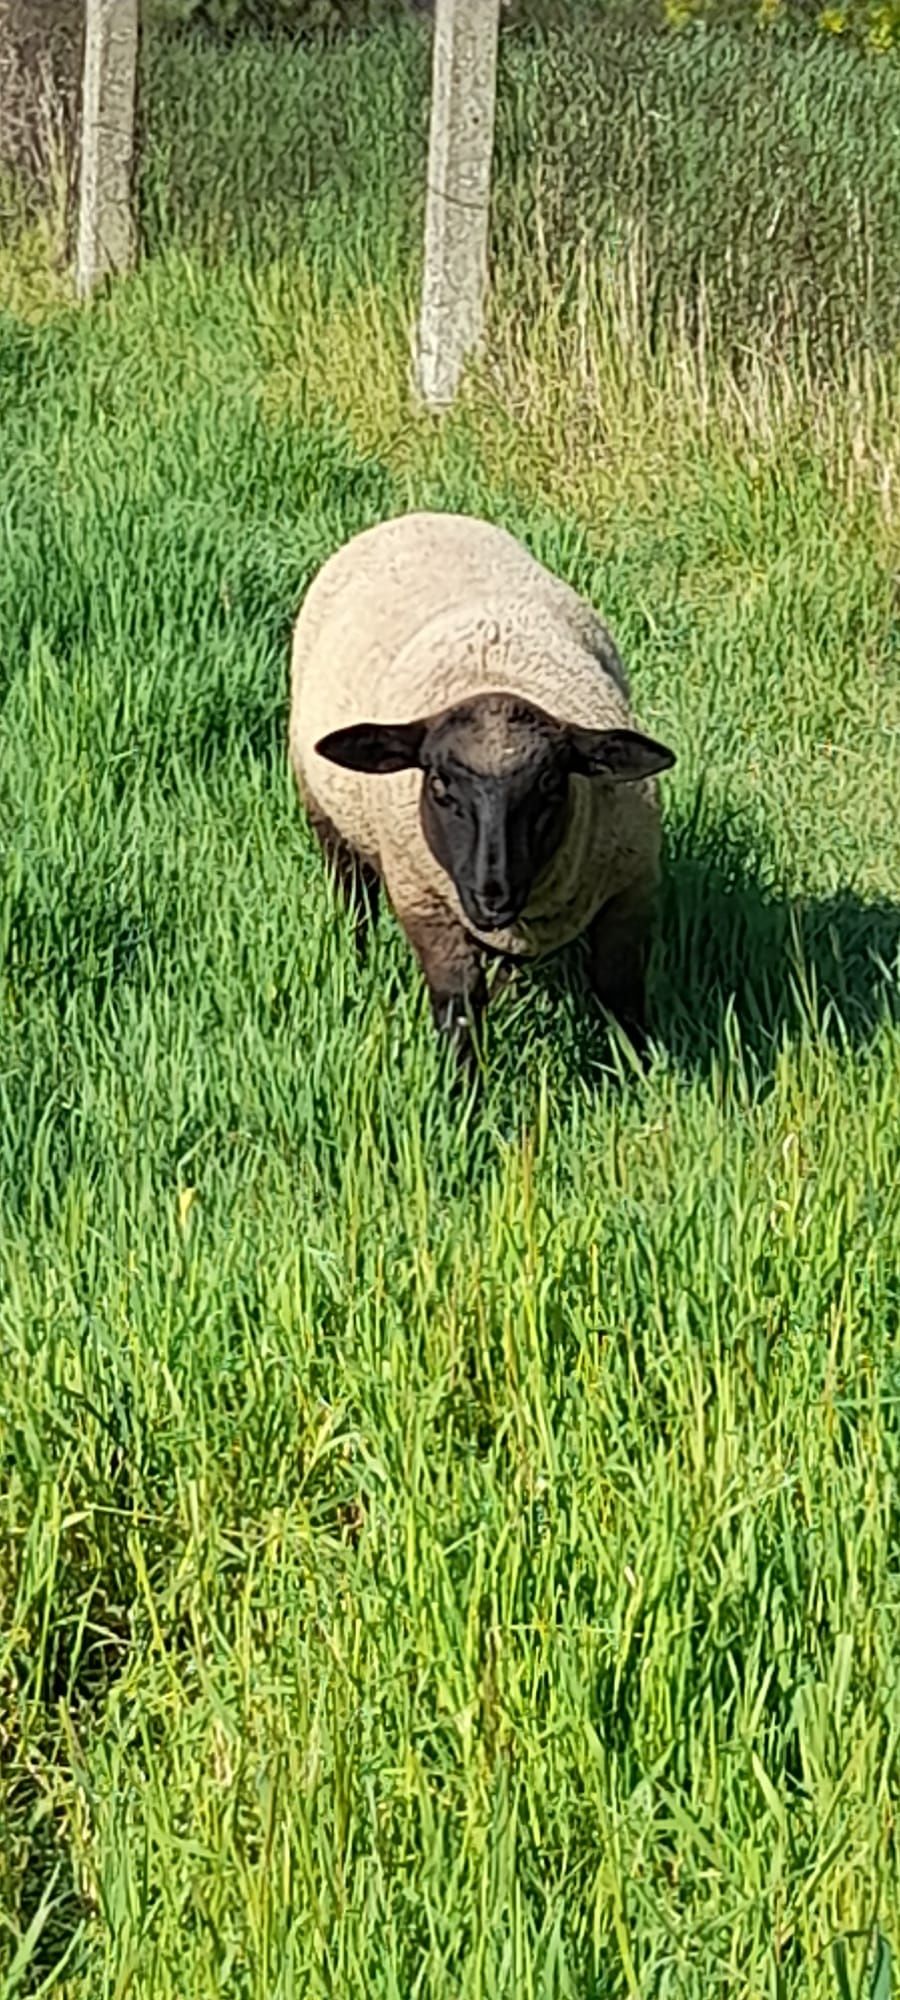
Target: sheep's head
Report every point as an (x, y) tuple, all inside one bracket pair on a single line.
[(495, 791)]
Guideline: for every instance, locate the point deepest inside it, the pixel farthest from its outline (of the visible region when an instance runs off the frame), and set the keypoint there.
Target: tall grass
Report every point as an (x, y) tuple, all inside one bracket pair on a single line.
[(758, 169), (446, 1550)]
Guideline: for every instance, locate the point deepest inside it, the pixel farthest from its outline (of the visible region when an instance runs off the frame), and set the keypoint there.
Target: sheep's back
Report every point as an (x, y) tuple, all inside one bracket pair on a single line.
[(483, 610)]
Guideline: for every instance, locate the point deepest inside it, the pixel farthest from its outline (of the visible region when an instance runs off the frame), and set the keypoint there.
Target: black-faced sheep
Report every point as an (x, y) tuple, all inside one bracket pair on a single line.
[(460, 731)]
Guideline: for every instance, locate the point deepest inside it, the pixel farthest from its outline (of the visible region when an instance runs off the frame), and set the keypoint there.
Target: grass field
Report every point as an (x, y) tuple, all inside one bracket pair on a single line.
[(452, 1552)]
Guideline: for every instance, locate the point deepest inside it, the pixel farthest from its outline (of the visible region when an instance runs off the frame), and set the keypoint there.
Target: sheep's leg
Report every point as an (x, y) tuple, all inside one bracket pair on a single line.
[(618, 942), (356, 879), (453, 971)]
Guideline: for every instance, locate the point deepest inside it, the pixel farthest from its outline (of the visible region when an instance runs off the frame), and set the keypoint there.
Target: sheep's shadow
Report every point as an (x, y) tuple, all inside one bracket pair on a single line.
[(737, 961)]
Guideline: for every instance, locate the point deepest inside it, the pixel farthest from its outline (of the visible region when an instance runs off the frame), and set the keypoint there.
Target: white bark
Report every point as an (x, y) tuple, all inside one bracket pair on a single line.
[(106, 234), (464, 82)]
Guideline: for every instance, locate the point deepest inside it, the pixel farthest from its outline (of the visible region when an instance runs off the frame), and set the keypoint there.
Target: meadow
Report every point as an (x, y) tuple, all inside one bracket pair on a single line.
[(451, 1550)]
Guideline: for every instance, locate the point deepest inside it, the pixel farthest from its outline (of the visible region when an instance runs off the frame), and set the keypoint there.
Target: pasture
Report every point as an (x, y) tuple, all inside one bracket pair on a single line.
[(453, 1552)]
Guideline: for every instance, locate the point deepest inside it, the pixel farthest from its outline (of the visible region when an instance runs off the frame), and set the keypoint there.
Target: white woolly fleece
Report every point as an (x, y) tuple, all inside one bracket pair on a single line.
[(417, 614)]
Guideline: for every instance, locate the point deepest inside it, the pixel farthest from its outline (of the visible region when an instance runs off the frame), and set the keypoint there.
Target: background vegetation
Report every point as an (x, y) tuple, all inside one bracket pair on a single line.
[(873, 23), (453, 1552)]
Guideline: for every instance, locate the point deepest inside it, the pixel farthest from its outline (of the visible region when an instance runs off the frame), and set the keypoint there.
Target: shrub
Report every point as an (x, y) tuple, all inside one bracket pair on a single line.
[(876, 23), (272, 16)]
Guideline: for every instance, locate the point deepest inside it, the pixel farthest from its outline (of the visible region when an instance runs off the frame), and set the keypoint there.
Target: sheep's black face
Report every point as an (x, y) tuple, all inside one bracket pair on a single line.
[(495, 791), (494, 807)]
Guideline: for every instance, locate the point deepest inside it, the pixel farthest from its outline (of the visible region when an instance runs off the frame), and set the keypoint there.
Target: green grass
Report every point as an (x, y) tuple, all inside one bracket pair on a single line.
[(758, 168), (446, 1551)]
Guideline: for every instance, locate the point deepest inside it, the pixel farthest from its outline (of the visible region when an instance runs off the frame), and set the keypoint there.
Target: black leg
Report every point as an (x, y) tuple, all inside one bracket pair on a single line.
[(356, 879), (454, 974), (618, 941)]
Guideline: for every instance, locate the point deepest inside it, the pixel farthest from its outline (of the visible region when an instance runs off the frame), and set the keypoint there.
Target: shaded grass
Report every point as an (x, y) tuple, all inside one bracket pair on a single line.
[(444, 1550)]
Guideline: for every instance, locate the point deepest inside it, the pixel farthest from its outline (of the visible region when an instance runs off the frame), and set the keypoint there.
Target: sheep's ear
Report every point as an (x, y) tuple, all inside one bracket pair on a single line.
[(622, 754), (375, 747)]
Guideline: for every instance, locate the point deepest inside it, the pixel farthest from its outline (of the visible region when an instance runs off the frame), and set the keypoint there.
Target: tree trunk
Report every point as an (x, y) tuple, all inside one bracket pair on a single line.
[(105, 224), (464, 81)]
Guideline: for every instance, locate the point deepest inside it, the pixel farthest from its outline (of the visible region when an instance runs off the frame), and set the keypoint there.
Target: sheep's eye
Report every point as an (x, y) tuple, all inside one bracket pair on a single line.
[(440, 792)]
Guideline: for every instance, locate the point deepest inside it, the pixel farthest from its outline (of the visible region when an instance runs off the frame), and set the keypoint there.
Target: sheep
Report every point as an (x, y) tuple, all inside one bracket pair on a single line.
[(460, 734)]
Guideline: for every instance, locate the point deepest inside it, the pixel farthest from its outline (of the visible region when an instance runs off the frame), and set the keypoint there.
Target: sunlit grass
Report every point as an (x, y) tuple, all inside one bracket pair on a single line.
[(446, 1550)]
